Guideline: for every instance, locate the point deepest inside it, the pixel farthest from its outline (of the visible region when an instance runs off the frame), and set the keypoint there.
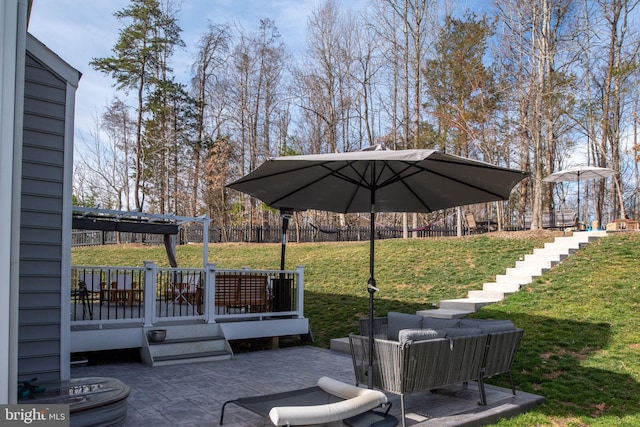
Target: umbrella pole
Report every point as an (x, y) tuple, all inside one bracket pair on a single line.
[(578, 199), (371, 288), (279, 295), (283, 245), (371, 284), (285, 214)]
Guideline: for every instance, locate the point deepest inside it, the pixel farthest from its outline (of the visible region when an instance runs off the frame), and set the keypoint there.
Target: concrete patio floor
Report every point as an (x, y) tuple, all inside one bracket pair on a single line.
[(193, 394)]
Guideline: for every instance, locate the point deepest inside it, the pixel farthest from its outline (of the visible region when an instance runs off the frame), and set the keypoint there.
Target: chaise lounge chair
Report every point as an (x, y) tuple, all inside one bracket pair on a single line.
[(328, 401)]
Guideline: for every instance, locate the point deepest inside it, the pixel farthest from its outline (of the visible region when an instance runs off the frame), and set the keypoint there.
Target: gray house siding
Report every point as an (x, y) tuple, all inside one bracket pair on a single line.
[(41, 240)]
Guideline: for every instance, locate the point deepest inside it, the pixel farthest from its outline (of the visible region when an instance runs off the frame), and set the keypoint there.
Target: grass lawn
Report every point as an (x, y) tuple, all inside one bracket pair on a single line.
[(581, 347)]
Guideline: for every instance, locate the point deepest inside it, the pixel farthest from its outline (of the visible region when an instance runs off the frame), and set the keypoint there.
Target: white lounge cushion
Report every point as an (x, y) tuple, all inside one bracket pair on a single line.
[(358, 400)]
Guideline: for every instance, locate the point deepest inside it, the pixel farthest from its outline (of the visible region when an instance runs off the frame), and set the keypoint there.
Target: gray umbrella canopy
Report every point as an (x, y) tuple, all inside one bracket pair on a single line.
[(377, 181), (395, 181)]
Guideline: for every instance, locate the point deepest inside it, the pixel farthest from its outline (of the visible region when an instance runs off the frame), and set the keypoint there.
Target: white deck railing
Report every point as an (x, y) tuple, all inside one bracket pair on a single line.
[(102, 295)]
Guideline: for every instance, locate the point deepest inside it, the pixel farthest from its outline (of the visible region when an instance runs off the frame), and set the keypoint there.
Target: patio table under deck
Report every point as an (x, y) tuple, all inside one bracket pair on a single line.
[(193, 394)]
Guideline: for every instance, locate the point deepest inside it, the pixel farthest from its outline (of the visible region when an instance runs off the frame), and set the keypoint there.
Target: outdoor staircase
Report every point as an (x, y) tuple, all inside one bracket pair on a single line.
[(526, 270), (186, 344)]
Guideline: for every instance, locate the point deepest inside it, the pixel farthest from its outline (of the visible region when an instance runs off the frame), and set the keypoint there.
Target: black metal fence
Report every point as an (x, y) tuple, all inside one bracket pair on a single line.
[(255, 234), (97, 238)]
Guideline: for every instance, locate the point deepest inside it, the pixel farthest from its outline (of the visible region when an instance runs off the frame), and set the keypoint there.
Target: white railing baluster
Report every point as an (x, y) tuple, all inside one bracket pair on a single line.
[(210, 293), (203, 306), (150, 286), (300, 292)]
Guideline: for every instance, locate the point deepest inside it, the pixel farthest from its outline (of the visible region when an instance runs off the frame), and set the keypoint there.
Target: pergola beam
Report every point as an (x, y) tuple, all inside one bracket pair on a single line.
[(138, 222)]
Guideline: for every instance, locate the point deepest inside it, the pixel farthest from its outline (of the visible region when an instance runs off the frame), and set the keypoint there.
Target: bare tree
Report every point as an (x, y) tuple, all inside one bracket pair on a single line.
[(367, 66), (386, 31), (320, 76), (208, 78), (613, 84), (536, 32), (256, 73), (419, 28), (120, 128), (102, 163)]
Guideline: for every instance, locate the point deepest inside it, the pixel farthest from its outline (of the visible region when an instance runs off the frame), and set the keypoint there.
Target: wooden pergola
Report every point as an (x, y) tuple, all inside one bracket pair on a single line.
[(84, 218)]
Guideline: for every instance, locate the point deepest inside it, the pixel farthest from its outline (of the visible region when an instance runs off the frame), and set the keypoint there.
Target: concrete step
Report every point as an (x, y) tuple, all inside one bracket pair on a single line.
[(553, 251), (558, 250), (589, 236), (488, 295), (532, 271), (520, 279), (341, 345), (504, 288), (466, 304), (544, 255), (542, 264), (550, 258), (581, 237), (570, 244), (443, 313), (564, 248)]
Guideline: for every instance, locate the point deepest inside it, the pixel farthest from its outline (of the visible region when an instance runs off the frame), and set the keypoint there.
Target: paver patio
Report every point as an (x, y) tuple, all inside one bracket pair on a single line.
[(193, 394)]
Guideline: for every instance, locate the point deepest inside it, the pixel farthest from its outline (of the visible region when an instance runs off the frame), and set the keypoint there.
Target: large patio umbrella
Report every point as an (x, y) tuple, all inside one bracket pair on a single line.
[(377, 181), (578, 173)]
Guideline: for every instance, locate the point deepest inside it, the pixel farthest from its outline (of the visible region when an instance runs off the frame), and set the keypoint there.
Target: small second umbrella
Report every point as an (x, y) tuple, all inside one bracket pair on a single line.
[(579, 173)]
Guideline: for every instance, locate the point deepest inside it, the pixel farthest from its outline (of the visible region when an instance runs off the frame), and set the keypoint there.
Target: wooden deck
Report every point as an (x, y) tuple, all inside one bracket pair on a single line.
[(111, 306)]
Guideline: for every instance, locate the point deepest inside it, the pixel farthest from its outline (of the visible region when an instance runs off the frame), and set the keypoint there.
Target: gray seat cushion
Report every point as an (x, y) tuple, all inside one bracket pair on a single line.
[(462, 332), (436, 323), (398, 321), (488, 326)]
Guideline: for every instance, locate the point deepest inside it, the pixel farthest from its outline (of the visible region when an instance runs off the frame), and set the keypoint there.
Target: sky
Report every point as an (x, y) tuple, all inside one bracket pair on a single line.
[(80, 30)]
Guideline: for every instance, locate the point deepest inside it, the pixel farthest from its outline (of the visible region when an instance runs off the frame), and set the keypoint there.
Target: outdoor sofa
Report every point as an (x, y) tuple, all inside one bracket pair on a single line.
[(413, 353)]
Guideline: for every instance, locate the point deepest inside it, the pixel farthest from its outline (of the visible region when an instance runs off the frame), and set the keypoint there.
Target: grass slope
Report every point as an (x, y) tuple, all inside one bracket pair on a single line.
[(411, 274), (581, 348)]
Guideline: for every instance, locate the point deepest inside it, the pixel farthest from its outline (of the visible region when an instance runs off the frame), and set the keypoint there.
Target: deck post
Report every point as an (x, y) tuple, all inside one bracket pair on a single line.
[(300, 292), (210, 293), (150, 286)]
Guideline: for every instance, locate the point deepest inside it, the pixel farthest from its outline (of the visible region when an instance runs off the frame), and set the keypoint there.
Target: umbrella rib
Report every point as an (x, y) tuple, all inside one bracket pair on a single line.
[(331, 172), (359, 184), (347, 178), (397, 176), (374, 186), (475, 187)]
